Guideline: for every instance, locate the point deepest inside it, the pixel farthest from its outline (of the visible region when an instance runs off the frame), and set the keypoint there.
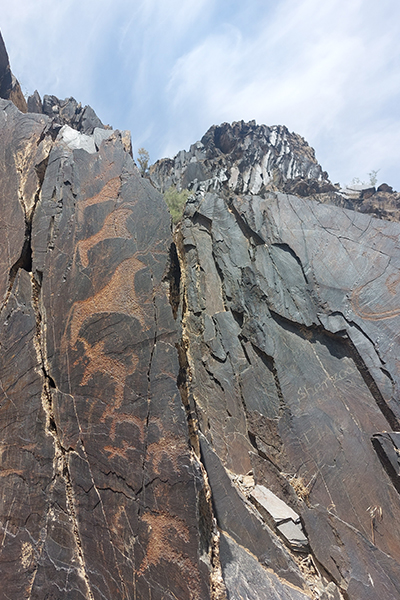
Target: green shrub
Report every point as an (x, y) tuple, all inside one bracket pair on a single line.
[(143, 160), (176, 202)]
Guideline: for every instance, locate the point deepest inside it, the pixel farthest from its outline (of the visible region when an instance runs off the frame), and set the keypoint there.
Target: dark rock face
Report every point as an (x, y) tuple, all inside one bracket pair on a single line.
[(101, 495), (9, 86), (214, 416), (290, 327), (382, 202), (66, 112)]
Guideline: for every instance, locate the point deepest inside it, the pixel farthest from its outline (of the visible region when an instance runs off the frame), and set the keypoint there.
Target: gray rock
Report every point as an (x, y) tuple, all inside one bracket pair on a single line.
[(251, 580), (34, 103), (294, 535), (101, 134), (235, 517), (74, 140), (70, 112), (275, 507)]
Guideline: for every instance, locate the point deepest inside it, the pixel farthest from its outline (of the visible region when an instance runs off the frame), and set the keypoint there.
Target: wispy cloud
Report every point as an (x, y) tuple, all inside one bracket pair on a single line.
[(168, 70), (326, 70)]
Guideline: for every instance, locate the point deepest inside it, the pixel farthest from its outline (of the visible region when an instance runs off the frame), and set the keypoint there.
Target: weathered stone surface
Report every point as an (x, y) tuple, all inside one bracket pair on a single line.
[(251, 581), (9, 86), (280, 515), (387, 446), (129, 455), (247, 158), (66, 112), (34, 103), (356, 564), (101, 494), (278, 510), (294, 536), (290, 327), (236, 517)]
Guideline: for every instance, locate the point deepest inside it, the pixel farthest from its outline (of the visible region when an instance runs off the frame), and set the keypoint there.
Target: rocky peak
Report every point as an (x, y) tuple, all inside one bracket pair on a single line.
[(66, 112), (245, 158), (9, 86)]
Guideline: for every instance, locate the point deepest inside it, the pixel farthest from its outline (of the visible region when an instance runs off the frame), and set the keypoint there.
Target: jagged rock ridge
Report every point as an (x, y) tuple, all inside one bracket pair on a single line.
[(209, 416), (289, 324), (248, 158)]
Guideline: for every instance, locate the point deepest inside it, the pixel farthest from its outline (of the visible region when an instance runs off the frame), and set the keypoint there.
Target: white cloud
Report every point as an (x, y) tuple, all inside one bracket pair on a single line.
[(168, 70), (322, 69)]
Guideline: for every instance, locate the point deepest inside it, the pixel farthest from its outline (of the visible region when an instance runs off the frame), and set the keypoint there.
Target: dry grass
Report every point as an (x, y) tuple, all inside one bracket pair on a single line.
[(301, 488)]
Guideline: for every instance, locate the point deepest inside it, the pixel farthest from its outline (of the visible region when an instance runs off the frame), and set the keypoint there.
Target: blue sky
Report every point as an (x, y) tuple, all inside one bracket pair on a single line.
[(169, 69)]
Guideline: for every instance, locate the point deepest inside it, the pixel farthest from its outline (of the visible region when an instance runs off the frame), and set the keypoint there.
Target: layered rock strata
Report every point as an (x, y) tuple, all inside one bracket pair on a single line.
[(214, 415), (290, 323)]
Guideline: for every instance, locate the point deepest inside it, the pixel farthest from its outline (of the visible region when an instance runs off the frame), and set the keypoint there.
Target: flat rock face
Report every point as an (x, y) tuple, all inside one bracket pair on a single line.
[(290, 326), (101, 495)]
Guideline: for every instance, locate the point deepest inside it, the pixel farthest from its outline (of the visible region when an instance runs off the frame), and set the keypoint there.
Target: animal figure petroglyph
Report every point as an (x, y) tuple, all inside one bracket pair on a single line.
[(168, 447), (114, 227), (164, 528), (120, 296), (109, 191), (117, 296)]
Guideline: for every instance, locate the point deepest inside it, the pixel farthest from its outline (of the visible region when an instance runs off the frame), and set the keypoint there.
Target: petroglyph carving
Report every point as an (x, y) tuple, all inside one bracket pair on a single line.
[(118, 371), (118, 296), (169, 447), (114, 227), (379, 312), (164, 528), (110, 191)]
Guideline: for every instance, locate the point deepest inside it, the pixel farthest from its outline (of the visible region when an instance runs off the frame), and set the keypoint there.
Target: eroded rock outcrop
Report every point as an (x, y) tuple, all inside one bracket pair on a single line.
[(290, 323), (66, 112), (101, 494), (246, 158), (9, 86), (210, 416)]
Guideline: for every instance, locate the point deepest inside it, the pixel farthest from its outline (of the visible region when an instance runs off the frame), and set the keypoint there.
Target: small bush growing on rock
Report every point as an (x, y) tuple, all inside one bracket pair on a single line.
[(143, 160), (176, 202)]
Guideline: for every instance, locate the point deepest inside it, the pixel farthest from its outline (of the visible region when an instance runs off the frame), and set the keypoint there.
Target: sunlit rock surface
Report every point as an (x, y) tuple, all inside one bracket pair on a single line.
[(101, 495), (210, 413), (290, 319)]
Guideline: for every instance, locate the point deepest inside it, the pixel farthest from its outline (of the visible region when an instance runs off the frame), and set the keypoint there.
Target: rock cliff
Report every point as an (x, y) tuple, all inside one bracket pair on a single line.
[(209, 413)]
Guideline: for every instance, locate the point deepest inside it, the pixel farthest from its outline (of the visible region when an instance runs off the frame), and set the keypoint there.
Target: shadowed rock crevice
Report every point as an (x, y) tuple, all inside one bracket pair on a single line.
[(209, 534), (61, 469), (174, 278), (25, 259)]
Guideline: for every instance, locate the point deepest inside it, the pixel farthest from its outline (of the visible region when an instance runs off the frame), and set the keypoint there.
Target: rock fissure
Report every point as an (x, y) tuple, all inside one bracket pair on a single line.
[(60, 460), (207, 520)]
